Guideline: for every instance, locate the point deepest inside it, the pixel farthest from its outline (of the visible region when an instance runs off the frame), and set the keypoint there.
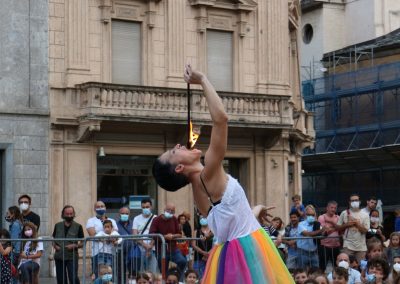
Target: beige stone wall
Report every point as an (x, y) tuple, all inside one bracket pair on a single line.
[(173, 33)]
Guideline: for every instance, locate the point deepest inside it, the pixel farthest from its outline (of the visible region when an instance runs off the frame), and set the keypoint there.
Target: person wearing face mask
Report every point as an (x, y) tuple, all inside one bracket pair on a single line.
[(124, 224), (14, 218), (24, 202), (355, 224), (375, 229), (145, 254), (307, 248), (66, 254), (105, 275), (29, 264), (202, 246), (342, 260), (395, 272), (167, 225), (94, 225), (377, 271)]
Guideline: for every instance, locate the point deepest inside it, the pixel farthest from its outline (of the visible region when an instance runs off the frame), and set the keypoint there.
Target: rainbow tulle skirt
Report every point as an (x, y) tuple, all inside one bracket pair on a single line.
[(251, 259)]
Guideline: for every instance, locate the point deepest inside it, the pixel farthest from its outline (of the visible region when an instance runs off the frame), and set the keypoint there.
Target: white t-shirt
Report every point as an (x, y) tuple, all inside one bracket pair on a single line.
[(96, 223), (39, 247), (104, 246), (138, 224), (352, 238), (232, 218)]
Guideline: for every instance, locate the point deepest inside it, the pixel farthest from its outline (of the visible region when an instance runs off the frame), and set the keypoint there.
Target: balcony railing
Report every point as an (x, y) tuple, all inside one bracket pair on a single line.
[(157, 104)]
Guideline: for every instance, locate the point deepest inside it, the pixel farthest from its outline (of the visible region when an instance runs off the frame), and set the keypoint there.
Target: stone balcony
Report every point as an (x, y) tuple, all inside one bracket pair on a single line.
[(97, 102)]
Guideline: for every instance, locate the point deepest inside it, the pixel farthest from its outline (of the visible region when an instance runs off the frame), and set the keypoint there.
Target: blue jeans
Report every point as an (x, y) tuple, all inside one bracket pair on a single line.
[(28, 271), (199, 266), (308, 259), (101, 258), (67, 267), (177, 257)]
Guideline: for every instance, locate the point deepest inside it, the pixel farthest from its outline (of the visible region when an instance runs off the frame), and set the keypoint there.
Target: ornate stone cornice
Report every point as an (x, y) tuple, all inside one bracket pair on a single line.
[(238, 5)]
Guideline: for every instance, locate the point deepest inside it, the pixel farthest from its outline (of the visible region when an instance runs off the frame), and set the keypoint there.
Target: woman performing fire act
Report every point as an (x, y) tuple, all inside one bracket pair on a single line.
[(244, 253)]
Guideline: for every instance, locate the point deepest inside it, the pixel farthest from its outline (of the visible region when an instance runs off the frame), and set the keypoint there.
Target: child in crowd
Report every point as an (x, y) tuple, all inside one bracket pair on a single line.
[(395, 272), (105, 275), (375, 229), (30, 255), (340, 275), (300, 275), (321, 279), (173, 276), (143, 278), (103, 248), (298, 206), (157, 279), (354, 262), (377, 271), (5, 262), (394, 247), (374, 249), (191, 276)]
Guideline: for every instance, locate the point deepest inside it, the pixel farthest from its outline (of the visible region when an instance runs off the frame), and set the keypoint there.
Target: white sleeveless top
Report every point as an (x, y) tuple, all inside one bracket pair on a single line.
[(232, 218)]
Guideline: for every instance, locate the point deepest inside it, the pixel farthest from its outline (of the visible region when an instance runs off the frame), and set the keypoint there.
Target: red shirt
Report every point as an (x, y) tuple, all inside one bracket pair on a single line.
[(163, 226), (330, 242)]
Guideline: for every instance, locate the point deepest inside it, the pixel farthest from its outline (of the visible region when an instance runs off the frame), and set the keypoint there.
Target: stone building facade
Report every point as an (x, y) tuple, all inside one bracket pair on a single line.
[(24, 106), (116, 87)]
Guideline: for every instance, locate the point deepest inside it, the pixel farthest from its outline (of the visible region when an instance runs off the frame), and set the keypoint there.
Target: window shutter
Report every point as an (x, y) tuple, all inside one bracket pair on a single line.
[(219, 59), (126, 45)]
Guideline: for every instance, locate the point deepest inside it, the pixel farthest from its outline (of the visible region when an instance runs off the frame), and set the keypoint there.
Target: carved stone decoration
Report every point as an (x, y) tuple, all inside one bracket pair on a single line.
[(105, 7), (294, 14), (86, 128), (242, 8)]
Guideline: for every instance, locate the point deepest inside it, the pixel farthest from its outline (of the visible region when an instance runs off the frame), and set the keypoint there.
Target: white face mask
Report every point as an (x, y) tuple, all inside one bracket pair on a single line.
[(24, 206), (396, 267), (344, 264), (355, 204), (374, 219)]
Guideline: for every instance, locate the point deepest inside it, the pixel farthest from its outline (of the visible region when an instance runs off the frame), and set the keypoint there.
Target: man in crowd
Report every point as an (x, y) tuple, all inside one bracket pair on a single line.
[(342, 260), (372, 202), (124, 225), (167, 225), (24, 202), (307, 248), (291, 231), (94, 224), (66, 254), (146, 260), (355, 225), (330, 247)]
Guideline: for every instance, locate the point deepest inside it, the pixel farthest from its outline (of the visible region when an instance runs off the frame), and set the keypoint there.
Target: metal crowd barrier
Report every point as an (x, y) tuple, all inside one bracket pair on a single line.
[(114, 255)]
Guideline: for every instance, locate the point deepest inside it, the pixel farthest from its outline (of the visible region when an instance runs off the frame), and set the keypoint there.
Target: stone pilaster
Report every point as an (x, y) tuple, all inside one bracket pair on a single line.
[(176, 41)]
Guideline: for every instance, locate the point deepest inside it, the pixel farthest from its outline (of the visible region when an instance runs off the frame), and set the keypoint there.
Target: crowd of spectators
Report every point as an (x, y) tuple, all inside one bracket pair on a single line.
[(350, 247)]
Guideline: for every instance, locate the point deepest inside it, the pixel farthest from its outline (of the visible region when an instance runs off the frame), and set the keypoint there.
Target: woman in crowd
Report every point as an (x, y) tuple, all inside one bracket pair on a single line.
[(395, 271), (375, 229), (202, 247), (5, 263), (14, 218), (244, 253), (191, 276), (30, 255)]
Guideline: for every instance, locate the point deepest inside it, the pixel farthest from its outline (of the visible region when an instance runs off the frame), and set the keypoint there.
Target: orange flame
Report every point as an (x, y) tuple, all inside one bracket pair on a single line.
[(194, 135)]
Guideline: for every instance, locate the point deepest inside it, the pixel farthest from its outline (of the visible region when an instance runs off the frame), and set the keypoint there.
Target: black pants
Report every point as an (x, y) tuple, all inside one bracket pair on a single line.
[(325, 254), (67, 267)]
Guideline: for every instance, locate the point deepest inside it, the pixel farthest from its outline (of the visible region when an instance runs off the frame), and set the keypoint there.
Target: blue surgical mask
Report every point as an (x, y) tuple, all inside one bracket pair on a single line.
[(146, 211), (124, 217), (106, 277), (203, 222), (100, 211), (370, 278), (168, 215), (310, 219)]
